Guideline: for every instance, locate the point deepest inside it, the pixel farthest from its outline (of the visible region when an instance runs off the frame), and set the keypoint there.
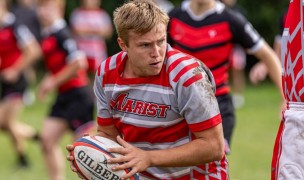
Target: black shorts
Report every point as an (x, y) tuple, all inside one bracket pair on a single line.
[(76, 106), (228, 115), (13, 89)]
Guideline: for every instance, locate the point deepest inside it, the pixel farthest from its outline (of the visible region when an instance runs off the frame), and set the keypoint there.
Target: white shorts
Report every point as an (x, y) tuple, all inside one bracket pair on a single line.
[(290, 149)]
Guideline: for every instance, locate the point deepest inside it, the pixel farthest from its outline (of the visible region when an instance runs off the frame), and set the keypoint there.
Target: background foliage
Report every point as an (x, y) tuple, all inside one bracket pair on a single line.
[(263, 14)]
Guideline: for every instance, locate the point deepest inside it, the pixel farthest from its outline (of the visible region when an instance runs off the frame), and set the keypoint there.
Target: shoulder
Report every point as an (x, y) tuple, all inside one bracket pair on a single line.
[(183, 69), (110, 63), (175, 11), (64, 33), (233, 16)]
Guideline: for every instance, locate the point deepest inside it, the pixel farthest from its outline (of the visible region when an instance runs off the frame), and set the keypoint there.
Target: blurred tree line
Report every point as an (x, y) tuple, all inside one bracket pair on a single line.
[(263, 14)]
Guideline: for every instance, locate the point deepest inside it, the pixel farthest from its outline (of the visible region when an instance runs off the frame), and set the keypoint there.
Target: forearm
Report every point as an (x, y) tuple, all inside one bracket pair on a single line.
[(30, 55), (66, 73), (109, 132), (271, 60), (196, 152)]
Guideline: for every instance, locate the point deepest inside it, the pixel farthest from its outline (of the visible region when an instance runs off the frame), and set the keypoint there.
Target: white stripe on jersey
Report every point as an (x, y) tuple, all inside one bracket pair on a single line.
[(173, 173), (166, 145), (147, 123), (149, 88)]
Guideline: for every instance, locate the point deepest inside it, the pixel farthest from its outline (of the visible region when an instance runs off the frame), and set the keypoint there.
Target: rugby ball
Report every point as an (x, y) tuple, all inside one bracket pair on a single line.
[(91, 155)]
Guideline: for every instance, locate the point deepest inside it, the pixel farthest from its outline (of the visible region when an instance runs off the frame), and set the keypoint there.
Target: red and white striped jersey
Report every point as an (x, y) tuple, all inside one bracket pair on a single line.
[(162, 111), (292, 52)]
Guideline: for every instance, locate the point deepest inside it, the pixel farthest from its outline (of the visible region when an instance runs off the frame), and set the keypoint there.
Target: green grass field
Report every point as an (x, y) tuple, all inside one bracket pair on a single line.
[(257, 123)]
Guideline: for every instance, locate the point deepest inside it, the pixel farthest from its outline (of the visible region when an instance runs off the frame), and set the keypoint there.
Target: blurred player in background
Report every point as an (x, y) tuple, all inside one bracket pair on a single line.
[(161, 101), (18, 51), (25, 12), (92, 26), (165, 5), (67, 75), (237, 60), (288, 155), (208, 30)]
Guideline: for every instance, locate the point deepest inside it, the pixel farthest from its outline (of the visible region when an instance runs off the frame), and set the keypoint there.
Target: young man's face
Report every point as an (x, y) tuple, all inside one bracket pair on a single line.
[(146, 53)]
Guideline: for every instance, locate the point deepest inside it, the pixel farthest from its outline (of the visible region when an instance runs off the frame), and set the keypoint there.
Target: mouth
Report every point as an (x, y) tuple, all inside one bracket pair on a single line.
[(155, 63)]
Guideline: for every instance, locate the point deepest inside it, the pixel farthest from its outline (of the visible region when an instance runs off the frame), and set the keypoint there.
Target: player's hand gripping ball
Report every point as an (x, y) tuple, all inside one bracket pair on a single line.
[(91, 155)]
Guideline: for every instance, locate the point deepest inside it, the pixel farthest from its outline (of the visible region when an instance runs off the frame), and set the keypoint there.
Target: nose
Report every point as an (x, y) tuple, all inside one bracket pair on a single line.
[(155, 51)]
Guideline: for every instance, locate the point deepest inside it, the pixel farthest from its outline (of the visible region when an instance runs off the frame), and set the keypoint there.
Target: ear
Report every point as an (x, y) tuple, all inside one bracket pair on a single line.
[(121, 44)]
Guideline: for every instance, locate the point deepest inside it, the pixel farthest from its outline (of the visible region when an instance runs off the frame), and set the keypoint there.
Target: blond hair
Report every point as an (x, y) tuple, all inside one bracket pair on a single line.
[(140, 16)]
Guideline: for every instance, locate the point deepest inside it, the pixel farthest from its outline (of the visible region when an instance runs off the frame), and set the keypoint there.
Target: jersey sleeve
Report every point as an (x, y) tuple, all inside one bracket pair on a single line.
[(243, 32), (69, 45), (104, 116), (195, 91), (24, 35)]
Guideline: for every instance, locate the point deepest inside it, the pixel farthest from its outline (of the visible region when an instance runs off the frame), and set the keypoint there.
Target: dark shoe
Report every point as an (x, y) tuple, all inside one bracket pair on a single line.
[(23, 161)]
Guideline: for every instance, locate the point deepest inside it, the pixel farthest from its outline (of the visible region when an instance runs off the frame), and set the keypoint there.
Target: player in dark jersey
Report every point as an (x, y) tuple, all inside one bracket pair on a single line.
[(207, 30), (18, 51), (66, 65)]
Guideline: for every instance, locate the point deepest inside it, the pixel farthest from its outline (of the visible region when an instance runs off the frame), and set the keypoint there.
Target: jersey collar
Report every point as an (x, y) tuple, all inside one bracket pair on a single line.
[(218, 8)]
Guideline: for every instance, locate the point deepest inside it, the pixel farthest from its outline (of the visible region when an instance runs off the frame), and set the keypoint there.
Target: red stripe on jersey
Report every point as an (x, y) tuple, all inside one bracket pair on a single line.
[(107, 64), (216, 170), (223, 90), (193, 79), (145, 173), (109, 59), (204, 38), (119, 57), (177, 62), (171, 53), (215, 120), (153, 135), (184, 70), (277, 151), (105, 121), (98, 70)]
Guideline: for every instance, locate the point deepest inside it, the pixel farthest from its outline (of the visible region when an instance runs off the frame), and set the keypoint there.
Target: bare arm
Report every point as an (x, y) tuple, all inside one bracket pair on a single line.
[(51, 82), (208, 147), (267, 56), (110, 132)]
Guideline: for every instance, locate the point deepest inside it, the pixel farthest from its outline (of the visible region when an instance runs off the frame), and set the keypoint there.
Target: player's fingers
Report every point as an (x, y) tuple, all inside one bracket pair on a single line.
[(70, 158), (70, 147), (123, 142), (121, 159), (119, 150), (130, 174), (122, 166), (73, 168)]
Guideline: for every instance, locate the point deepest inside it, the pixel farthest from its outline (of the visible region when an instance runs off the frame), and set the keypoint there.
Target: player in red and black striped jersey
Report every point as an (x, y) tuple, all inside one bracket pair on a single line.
[(18, 51), (207, 30), (67, 75)]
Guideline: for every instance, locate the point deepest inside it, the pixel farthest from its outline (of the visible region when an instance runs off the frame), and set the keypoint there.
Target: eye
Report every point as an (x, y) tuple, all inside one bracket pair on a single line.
[(145, 45), (160, 42)]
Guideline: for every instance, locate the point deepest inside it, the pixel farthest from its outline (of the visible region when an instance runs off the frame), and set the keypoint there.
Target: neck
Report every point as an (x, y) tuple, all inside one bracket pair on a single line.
[(199, 8), (127, 72)]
